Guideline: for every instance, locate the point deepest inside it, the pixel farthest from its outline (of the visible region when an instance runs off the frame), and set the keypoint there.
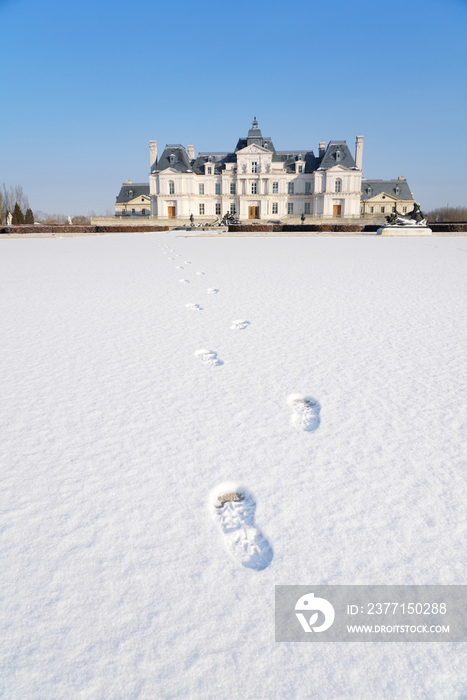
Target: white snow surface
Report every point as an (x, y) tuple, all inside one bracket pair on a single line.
[(116, 581)]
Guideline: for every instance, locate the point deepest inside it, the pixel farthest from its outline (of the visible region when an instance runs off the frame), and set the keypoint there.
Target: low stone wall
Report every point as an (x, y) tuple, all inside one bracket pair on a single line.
[(83, 229)]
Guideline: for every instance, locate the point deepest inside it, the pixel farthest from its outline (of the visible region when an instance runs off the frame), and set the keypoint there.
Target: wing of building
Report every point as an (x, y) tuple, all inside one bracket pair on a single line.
[(255, 181), (381, 197)]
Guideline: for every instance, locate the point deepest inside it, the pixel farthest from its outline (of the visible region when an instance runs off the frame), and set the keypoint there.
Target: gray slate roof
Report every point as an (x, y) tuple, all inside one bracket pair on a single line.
[(181, 161), (337, 153), (387, 186), (289, 159), (130, 191)]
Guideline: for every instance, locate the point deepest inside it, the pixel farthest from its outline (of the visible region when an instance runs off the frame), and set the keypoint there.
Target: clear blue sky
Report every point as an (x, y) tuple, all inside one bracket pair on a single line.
[(85, 86)]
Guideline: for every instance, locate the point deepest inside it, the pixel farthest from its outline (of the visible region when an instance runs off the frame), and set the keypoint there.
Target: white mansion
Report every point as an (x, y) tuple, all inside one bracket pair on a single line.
[(253, 182)]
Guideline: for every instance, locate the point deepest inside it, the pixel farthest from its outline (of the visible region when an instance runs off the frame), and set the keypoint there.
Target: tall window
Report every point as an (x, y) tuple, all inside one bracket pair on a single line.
[(275, 188), (307, 207), (290, 208), (201, 209), (209, 170), (275, 208), (291, 187), (201, 187), (300, 168), (218, 208), (171, 187), (218, 187), (232, 208), (254, 188), (404, 210), (383, 209), (143, 212), (338, 186), (233, 188), (372, 210), (254, 167), (307, 187)]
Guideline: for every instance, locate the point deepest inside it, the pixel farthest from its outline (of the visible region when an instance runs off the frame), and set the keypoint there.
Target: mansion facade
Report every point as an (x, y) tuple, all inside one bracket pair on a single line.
[(253, 182)]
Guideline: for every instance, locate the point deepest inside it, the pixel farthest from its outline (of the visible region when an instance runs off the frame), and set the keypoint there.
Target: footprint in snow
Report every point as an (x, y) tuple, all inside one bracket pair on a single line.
[(200, 273), (194, 307), (169, 258), (305, 414), (185, 281), (212, 291), (234, 509), (179, 267), (208, 357), (187, 262), (239, 325)]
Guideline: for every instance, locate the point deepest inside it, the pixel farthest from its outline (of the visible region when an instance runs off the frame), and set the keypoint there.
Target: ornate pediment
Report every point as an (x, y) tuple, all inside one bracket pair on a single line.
[(382, 195), (253, 150)]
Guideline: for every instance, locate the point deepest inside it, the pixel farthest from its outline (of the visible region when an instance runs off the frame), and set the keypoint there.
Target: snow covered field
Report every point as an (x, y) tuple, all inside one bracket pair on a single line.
[(118, 579)]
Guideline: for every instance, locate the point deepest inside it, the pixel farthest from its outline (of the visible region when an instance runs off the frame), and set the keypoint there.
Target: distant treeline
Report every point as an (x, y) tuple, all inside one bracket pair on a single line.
[(447, 214)]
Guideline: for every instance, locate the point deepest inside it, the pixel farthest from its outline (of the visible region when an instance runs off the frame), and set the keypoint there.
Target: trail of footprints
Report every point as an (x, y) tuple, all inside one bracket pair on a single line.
[(234, 506)]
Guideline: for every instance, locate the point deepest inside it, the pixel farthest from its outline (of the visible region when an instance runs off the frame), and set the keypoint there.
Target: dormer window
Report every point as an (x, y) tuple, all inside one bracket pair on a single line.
[(338, 154), (300, 168), (397, 191), (209, 169), (129, 193), (172, 159), (368, 190)]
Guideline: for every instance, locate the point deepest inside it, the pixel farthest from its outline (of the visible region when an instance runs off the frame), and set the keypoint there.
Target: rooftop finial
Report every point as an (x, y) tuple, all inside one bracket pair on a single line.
[(254, 123)]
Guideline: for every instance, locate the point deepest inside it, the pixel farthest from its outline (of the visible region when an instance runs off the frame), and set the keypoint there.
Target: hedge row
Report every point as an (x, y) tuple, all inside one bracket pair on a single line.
[(81, 229), (438, 228), (292, 228)]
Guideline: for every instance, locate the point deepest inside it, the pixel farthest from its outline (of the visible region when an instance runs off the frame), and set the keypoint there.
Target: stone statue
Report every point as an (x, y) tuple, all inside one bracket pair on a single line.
[(229, 218), (302, 218), (9, 218), (70, 223), (414, 218), (192, 220)]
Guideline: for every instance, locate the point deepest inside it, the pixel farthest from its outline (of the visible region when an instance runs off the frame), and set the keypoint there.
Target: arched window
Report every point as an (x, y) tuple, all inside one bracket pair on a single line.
[(171, 187), (338, 185)]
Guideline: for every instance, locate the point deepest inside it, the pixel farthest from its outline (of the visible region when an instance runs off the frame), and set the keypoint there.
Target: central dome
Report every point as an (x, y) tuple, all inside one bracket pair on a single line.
[(255, 135)]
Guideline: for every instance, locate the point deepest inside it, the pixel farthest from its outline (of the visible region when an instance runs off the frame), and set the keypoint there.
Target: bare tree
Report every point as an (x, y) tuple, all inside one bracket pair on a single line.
[(11, 196), (447, 214)]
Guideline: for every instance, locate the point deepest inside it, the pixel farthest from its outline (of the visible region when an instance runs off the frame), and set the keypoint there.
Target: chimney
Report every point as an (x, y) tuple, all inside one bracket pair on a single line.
[(191, 152), (128, 182), (401, 177), (153, 153), (359, 152), (322, 148)]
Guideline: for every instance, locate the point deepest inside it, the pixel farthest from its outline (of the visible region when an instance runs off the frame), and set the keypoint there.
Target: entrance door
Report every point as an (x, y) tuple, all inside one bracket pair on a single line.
[(336, 210), (253, 212), (171, 212)]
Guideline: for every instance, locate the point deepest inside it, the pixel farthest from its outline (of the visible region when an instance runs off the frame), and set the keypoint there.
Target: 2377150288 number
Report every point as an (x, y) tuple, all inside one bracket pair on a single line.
[(409, 608)]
